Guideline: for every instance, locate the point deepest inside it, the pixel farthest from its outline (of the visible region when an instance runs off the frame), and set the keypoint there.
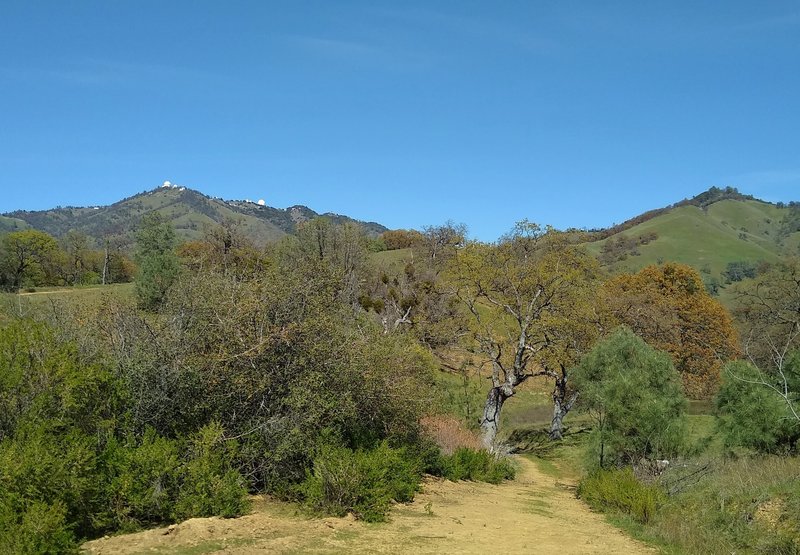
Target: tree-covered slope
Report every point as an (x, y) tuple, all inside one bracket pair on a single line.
[(189, 211)]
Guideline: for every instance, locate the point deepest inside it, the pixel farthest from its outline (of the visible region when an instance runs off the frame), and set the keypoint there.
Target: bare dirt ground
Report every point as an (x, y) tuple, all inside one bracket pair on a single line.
[(533, 514)]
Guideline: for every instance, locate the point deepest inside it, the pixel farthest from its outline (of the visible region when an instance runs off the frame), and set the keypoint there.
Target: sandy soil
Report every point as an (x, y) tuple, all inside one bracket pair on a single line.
[(532, 514)]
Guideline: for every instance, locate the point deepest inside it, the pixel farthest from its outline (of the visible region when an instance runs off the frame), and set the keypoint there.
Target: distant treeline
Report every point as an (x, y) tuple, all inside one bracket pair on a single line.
[(32, 258)]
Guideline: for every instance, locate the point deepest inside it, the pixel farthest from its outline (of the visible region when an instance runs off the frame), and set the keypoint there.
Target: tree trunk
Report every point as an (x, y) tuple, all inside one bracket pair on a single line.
[(557, 424), (561, 405), (105, 265), (491, 413)]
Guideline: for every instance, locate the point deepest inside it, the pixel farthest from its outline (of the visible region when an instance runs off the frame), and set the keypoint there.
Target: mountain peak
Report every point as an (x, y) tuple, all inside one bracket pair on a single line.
[(190, 212)]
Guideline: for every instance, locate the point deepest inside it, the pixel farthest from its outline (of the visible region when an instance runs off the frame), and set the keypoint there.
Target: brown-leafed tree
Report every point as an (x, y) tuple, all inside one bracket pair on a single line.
[(668, 306)]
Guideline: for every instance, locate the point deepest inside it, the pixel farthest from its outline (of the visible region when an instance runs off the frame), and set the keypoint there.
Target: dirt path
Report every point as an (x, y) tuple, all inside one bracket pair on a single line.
[(533, 514), (57, 291)]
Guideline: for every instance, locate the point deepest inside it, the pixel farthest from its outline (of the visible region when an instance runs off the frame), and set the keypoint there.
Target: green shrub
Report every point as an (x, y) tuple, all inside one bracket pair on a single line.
[(634, 395), (475, 465), (618, 491), (35, 527), (211, 485), (39, 467), (145, 482), (363, 482), (750, 414)]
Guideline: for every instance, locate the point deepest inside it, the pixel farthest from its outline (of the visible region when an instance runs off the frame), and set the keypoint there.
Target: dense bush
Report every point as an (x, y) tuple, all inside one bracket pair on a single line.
[(145, 477), (253, 371), (211, 485), (362, 482), (475, 464), (619, 491), (34, 527), (366, 481), (751, 414), (68, 467), (634, 395)]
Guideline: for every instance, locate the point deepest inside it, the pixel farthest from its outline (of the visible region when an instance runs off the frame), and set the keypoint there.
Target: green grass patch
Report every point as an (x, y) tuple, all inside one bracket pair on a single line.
[(477, 466), (749, 505), (619, 491)]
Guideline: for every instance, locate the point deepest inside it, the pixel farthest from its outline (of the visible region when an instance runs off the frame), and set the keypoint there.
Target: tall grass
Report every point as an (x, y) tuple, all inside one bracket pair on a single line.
[(750, 504), (618, 490)]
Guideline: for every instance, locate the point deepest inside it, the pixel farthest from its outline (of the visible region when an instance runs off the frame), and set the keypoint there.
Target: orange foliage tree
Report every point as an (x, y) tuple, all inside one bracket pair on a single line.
[(670, 309)]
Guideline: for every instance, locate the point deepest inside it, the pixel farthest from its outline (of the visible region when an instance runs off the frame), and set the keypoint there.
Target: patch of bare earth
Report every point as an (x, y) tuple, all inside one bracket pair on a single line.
[(532, 514)]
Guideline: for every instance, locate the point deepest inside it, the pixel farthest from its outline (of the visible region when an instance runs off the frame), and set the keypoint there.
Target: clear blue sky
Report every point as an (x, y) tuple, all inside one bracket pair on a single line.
[(408, 113)]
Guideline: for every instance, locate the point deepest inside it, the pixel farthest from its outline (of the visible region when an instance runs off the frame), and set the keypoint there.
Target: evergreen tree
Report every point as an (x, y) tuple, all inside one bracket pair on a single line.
[(634, 394), (156, 260)]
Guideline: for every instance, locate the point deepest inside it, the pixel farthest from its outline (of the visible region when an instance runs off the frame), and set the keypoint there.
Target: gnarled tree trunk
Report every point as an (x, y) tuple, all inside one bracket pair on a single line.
[(490, 421), (561, 404)]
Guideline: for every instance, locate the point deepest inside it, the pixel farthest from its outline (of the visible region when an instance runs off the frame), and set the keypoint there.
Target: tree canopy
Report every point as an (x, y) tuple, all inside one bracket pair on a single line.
[(669, 307), (531, 298), (634, 394), (156, 260)]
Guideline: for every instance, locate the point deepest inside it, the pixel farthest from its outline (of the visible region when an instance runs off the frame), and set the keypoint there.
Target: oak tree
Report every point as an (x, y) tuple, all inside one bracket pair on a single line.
[(27, 258), (531, 296), (768, 312)]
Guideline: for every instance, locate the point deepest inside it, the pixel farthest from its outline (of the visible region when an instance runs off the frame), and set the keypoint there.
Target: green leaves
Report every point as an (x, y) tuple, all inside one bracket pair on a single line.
[(751, 412), (634, 394), (156, 259)]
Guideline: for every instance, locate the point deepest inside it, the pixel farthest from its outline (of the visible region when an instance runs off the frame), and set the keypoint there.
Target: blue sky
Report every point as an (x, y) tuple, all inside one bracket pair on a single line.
[(408, 113)]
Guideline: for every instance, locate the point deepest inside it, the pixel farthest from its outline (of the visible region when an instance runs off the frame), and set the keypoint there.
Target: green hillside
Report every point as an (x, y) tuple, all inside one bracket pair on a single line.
[(392, 261), (11, 224), (705, 238), (189, 211)]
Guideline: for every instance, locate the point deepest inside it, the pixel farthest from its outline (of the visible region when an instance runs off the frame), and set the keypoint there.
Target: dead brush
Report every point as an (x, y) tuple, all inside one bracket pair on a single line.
[(449, 433)]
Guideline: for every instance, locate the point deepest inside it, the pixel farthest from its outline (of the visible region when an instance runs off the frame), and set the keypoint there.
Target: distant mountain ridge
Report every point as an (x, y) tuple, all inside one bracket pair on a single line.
[(189, 211), (710, 231)]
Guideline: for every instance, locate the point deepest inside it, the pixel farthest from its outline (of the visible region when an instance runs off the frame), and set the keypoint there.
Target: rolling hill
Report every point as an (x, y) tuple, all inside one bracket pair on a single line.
[(189, 211), (707, 236)]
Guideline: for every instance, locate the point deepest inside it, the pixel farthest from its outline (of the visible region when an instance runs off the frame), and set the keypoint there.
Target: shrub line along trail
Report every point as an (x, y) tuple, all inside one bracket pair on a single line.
[(533, 514)]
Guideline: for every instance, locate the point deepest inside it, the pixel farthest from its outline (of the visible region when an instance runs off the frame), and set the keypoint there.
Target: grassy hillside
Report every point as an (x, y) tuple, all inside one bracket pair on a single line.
[(392, 261), (11, 224), (705, 238)]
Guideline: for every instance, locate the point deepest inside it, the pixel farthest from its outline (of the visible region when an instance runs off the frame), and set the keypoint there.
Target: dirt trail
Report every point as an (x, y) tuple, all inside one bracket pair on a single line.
[(532, 514), (57, 291)]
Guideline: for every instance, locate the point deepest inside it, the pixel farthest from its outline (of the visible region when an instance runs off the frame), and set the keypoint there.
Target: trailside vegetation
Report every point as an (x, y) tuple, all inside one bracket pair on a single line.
[(316, 371), (249, 371), (633, 394)]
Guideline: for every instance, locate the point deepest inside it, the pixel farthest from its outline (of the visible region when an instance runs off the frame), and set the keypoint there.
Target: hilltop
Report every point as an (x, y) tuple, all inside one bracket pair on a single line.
[(709, 232), (189, 211)]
